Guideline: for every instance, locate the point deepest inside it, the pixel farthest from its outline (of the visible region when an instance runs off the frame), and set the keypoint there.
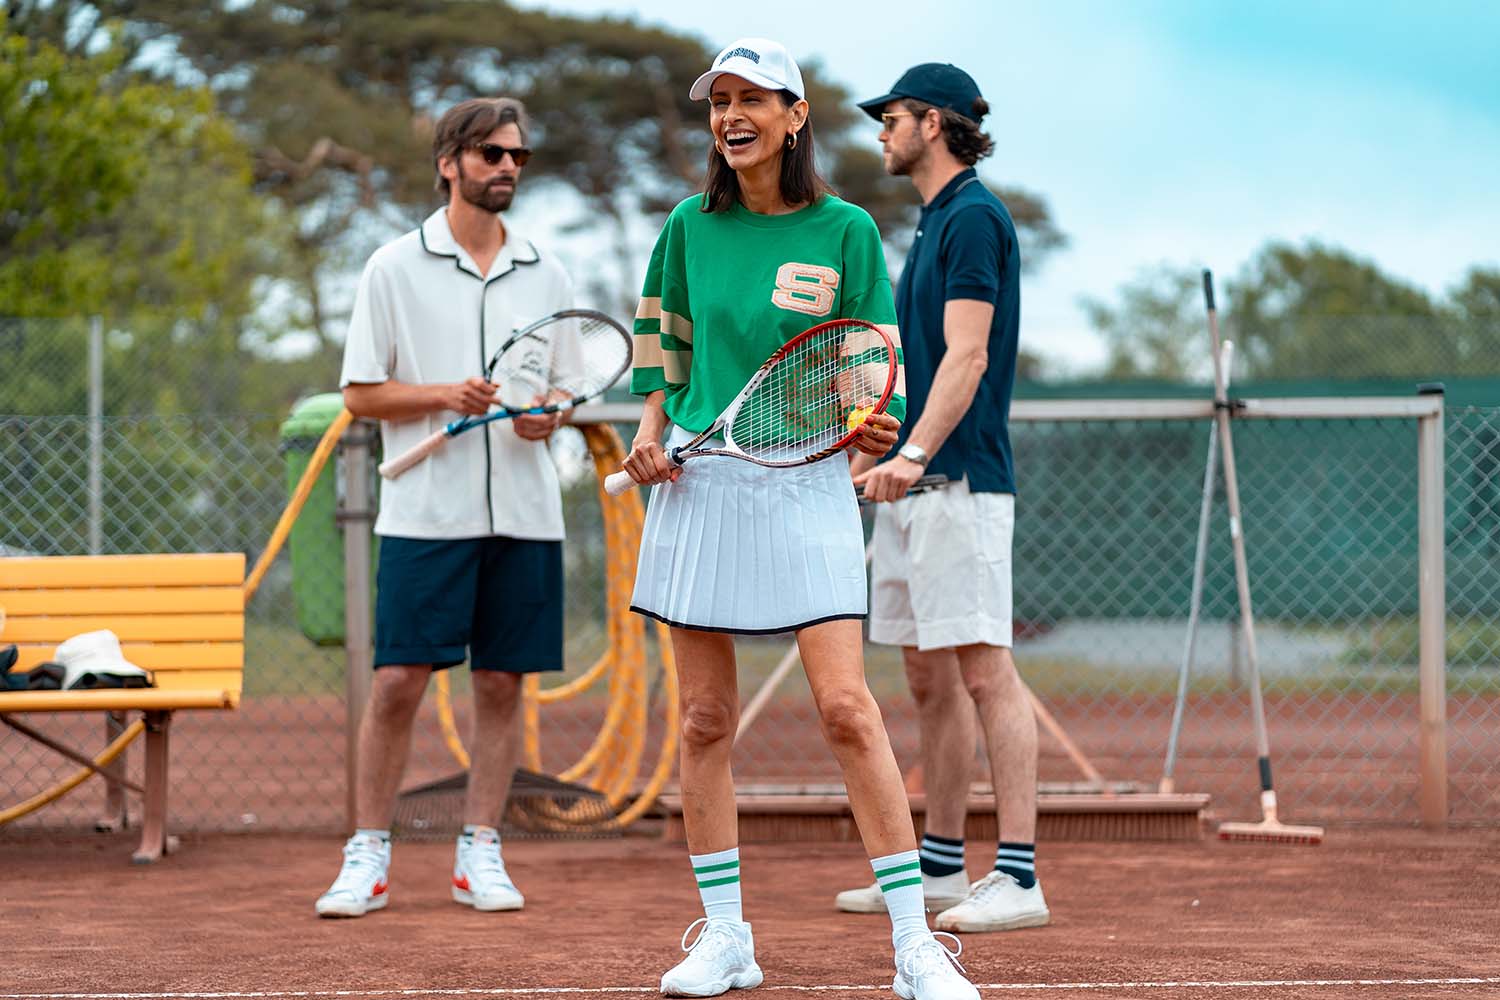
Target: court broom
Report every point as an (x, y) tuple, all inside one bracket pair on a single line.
[(1094, 809), (435, 810), (1195, 602), (1270, 829)]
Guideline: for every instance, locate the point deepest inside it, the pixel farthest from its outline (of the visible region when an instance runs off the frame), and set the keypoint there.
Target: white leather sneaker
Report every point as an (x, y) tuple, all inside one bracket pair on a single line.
[(363, 883), (721, 958), (927, 970), (479, 876), (938, 893), (997, 903)]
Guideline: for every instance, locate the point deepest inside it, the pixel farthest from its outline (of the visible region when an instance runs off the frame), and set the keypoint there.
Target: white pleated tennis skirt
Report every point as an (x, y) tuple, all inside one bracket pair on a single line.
[(732, 546)]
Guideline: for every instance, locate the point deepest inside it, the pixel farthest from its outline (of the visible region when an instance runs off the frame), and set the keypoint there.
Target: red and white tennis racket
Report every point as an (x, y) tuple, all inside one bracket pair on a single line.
[(808, 401)]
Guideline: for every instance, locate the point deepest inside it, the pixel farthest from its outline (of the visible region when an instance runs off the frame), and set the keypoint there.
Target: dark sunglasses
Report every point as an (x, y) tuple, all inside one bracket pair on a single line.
[(493, 154)]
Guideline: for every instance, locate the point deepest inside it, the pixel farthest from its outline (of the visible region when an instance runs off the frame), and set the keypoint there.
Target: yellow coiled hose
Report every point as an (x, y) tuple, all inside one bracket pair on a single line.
[(610, 765)]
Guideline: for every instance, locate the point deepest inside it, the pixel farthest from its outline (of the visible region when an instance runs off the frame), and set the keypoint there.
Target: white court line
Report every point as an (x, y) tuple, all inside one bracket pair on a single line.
[(1183, 984)]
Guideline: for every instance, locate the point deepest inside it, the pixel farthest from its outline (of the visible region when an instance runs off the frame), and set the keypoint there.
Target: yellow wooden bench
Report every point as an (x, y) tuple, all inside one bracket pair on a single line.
[(180, 616)]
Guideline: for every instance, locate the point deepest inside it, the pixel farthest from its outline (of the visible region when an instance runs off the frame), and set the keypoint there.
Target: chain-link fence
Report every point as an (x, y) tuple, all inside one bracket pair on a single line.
[(219, 484), (1107, 517)]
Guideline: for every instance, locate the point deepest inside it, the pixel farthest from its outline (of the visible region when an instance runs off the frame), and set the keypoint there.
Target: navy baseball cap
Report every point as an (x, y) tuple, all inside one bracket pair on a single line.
[(940, 84)]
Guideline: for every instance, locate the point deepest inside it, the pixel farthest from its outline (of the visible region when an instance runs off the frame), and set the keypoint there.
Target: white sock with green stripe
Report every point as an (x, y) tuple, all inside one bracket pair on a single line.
[(900, 879), (718, 876)]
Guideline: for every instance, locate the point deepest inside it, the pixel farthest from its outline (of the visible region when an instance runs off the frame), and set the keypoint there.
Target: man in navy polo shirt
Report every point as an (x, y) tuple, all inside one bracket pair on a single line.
[(941, 570)]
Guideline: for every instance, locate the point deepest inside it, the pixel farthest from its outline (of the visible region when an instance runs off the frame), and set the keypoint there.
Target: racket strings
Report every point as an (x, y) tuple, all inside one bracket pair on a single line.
[(570, 358), (805, 402)]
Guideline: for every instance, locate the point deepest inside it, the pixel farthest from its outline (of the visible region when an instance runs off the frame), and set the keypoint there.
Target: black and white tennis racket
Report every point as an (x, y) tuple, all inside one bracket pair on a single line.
[(808, 401), (566, 358)]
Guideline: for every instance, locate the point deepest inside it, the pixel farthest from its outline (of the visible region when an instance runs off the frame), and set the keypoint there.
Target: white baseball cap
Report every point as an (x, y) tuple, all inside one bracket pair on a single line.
[(761, 61)]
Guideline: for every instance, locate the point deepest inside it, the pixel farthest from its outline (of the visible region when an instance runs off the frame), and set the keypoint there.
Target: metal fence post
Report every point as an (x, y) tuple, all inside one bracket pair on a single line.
[(96, 436), (355, 514), (1433, 617)]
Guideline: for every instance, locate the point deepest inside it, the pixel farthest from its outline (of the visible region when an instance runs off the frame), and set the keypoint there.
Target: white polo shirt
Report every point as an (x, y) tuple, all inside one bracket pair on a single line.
[(425, 314)]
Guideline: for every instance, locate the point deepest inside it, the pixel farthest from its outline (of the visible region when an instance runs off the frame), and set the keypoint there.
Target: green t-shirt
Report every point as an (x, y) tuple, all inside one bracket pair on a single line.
[(726, 289)]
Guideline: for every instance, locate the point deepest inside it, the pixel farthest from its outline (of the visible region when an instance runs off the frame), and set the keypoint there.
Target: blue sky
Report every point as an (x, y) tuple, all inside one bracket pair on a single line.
[(1189, 131)]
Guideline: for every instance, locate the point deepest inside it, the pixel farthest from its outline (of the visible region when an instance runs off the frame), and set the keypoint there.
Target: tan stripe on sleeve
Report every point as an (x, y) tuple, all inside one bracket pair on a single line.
[(678, 326), (676, 365), (648, 352)]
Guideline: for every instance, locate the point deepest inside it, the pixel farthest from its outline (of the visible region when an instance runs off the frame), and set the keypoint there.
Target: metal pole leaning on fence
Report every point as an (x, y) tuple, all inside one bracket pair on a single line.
[(96, 435), (1167, 784), (355, 516), (1433, 615), (1270, 828)]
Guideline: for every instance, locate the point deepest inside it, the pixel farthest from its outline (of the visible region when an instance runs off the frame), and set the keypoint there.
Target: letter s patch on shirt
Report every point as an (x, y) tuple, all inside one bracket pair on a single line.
[(805, 288)]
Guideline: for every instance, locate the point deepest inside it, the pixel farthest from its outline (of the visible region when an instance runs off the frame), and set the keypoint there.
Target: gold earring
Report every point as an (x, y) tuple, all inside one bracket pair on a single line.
[(791, 141)]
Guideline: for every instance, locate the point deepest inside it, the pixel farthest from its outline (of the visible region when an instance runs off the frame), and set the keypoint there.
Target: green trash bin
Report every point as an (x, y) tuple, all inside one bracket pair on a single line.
[(317, 539)]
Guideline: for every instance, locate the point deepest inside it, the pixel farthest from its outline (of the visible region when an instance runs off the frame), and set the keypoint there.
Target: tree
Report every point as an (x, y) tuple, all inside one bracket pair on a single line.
[(1299, 312), (1157, 329), (1474, 312), (117, 193), (338, 100), (1479, 295), (1320, 310), (124, 198)]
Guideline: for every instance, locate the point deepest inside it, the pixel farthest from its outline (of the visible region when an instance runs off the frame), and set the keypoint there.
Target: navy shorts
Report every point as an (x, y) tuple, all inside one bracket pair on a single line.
[(495, 601)]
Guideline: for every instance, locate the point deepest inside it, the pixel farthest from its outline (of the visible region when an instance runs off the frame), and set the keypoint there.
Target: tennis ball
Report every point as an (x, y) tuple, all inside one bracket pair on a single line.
[(857, 416)]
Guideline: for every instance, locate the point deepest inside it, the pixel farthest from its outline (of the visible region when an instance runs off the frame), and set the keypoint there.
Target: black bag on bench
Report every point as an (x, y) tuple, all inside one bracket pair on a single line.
[(54, 676)]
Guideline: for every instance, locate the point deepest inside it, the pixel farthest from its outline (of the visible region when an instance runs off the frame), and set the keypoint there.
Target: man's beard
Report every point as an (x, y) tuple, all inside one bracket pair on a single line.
[(903, 158), (484, 195)]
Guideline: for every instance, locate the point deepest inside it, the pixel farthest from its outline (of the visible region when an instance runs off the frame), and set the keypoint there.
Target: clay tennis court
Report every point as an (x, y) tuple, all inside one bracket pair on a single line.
[(1397, 914), (274, 765)]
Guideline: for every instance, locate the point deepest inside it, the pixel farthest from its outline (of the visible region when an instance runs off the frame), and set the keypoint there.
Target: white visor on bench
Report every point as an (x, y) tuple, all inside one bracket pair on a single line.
[(95, 653)]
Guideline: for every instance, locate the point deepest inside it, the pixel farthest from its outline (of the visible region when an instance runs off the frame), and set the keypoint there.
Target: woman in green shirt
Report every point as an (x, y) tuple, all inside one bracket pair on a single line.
[(733, 548)]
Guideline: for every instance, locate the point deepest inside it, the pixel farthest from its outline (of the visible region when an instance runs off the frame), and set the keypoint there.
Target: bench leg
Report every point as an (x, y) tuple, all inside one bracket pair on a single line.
[(116, 814), (154, 839)]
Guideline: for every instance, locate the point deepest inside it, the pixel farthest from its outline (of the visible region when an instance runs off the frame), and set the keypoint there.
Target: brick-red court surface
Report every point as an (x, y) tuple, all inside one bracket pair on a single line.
[(232, 916)]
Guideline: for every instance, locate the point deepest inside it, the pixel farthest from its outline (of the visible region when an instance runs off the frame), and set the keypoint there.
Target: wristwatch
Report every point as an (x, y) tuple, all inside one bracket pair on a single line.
[(912, 453)]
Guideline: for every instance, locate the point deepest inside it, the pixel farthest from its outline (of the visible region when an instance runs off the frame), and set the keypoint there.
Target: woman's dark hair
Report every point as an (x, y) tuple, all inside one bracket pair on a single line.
[(961, 134), (800, 181), (470, 122)]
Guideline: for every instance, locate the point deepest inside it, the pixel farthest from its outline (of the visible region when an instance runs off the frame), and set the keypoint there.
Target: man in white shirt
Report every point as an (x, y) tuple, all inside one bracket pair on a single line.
[(471, 538)]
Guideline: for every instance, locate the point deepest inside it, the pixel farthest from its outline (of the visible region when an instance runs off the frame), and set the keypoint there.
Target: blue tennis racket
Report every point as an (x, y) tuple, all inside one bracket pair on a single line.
[(564, 359)]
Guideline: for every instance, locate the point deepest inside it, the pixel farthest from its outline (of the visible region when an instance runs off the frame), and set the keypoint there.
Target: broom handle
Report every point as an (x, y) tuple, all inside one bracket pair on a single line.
[(1241, 569), (1078, 757), (789, 659), (767, 688), (1195, 601)]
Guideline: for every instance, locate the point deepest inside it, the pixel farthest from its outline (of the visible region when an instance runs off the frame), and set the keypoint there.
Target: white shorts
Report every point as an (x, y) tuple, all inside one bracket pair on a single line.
[(735, 547), (940, 571)]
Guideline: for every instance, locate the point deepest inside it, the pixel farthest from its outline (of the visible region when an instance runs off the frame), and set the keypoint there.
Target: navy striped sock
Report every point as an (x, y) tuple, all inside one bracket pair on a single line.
[(941, 855), (1018, 861)]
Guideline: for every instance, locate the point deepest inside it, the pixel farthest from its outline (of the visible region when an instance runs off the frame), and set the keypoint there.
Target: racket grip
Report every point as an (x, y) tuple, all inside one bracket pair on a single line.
[(395, 467), (617, 483)]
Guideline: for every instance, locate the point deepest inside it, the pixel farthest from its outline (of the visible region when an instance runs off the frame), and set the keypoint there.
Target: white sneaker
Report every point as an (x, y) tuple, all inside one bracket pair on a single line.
[(364, 880), (938, 893), (928, 970), (479, 876), (721, 958), (997, 903)]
